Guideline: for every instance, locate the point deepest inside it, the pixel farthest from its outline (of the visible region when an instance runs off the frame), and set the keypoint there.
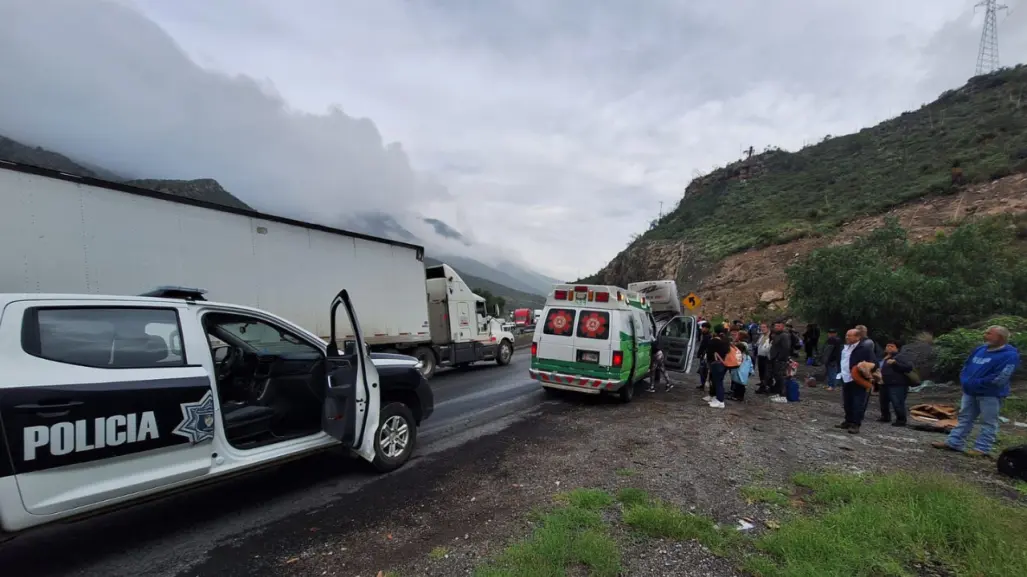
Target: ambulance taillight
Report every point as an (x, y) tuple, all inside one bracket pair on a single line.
[(534, 349), (618, 358), (602, 297)]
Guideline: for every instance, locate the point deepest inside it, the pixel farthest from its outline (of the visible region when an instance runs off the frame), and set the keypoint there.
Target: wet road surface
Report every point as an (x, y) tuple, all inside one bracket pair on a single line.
[(201, 532)]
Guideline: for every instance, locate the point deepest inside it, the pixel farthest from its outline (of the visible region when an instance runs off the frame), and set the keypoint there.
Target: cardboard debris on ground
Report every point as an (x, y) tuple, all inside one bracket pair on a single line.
[(936, 418)]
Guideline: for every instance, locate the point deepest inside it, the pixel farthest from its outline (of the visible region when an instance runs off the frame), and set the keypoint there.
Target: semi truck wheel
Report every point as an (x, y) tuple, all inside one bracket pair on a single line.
[(427, 358), (395, 438), (505, 353)]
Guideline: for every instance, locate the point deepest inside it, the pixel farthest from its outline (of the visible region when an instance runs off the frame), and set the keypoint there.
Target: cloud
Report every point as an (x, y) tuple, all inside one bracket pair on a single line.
[(550, 129)]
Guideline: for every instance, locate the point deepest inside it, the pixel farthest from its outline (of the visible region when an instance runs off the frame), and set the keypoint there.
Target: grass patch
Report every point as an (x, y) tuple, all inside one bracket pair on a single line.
[(587, 499), (883, 525), (769, 495), (438, 553), (626, 472), (632, 496), (657, 519), (1021, 488), (571, 536), (1015, 408)]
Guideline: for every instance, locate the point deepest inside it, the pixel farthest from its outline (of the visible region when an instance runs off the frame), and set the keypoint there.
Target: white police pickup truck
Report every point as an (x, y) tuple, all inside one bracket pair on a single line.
[(107, 400)]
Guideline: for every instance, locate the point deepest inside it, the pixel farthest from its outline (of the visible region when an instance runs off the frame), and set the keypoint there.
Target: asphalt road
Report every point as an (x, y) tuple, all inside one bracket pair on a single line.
[(195, 532)]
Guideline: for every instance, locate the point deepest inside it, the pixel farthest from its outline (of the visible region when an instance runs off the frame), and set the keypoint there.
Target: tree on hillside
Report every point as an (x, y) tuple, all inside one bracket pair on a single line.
[(491, 300), (898, 288)]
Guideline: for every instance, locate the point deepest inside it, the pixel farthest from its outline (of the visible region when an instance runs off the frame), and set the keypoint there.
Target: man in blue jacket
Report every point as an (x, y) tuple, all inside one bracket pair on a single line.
[(985, 378)]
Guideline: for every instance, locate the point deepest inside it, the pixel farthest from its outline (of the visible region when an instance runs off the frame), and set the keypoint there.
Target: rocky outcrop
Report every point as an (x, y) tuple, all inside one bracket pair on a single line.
[(754, 281)]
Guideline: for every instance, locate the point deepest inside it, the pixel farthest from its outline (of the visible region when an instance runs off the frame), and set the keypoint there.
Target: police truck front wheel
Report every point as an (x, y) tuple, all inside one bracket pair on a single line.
[(395, 438), (505, 353)]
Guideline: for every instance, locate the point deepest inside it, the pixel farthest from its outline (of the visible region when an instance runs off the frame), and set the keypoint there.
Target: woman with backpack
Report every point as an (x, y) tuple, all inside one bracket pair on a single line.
[(740, 375)]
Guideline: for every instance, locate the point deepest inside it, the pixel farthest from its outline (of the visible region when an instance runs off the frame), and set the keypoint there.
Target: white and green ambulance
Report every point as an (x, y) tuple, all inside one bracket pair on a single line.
[(596, 339)]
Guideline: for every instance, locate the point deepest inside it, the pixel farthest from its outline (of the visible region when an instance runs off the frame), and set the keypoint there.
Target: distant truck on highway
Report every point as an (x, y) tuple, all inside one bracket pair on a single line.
[(68, 234)]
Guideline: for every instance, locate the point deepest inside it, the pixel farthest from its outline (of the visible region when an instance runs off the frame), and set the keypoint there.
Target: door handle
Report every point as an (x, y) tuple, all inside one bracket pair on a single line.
[(47, 407)]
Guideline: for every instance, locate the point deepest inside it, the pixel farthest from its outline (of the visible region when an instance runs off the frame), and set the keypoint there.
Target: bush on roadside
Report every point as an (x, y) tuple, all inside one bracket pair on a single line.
[(951, 349), (899, 288)]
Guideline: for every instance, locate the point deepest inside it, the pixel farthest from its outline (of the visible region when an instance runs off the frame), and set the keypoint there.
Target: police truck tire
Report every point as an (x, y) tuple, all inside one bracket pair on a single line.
[(427, 358), (505, 353), (395, 438)]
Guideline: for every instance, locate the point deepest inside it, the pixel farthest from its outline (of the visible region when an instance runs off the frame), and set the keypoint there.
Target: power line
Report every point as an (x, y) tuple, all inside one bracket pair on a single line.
[(987, 54)]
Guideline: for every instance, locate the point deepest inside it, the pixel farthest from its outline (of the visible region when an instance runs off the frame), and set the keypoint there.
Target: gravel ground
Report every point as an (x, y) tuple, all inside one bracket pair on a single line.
[(452, 515)]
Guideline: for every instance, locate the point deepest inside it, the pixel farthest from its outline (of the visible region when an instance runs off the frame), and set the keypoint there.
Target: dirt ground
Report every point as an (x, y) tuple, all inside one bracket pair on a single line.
[(452, 514)]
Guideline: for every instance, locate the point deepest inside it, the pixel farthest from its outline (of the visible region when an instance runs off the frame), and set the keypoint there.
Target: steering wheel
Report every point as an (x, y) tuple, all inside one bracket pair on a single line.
[(224, 368)]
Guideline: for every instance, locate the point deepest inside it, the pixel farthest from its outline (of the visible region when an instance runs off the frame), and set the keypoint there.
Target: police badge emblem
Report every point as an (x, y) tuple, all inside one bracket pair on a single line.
[(197, 420)]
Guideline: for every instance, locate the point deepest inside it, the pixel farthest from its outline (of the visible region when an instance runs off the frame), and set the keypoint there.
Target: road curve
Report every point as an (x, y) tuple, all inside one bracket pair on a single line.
[(167, 538)]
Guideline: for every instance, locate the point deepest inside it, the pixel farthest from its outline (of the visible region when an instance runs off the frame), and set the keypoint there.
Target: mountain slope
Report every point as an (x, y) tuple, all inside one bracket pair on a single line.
[(777, 196), (206, 189)]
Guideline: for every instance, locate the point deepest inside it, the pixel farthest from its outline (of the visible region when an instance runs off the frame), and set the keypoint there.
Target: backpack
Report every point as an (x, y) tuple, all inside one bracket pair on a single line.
[(733, 360), (1013, 462)]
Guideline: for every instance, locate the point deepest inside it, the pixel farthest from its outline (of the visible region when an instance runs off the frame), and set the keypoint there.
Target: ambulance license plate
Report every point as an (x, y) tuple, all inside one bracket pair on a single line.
[(589, 357)]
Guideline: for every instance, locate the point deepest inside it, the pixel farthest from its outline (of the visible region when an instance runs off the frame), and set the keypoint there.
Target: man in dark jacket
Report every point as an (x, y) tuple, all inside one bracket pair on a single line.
[(811, 338), (831, 358), (796, 340), (895, 369), (780, 354), (700, 353)]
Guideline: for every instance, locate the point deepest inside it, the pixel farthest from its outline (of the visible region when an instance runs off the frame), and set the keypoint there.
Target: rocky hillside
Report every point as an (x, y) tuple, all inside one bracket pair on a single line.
[(737, 227), (206, 189)]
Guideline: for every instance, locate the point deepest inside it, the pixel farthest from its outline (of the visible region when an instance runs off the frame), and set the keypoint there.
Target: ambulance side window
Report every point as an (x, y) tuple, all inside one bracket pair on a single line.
[(106, 338)]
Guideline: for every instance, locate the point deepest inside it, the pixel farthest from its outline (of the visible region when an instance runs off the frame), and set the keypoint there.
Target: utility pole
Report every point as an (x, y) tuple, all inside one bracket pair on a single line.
[(661, 210), (987, 54)]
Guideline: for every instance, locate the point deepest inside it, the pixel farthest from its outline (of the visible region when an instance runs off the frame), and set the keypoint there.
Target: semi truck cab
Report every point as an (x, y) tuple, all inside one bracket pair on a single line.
[(463, 331)]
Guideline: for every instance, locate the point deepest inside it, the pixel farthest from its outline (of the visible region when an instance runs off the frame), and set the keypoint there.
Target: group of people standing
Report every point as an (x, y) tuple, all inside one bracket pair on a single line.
[(858, 366), (768, 351)]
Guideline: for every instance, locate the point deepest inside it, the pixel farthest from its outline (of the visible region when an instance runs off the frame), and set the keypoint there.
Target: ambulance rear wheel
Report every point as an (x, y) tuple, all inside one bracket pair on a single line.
[(626, 393)]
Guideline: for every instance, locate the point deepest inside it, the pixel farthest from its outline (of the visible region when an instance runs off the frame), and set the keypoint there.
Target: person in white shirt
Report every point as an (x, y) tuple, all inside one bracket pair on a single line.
[(852, 340)]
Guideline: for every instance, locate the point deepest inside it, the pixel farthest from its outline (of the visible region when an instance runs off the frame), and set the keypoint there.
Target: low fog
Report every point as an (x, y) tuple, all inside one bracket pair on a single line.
[(99, 82)]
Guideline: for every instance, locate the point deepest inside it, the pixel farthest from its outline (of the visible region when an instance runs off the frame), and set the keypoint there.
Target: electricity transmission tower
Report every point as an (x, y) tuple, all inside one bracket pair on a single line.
[(987, 55)]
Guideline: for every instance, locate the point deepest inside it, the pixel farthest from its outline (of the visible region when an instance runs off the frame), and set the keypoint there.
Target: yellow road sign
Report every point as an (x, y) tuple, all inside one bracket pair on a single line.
[(692, 301)]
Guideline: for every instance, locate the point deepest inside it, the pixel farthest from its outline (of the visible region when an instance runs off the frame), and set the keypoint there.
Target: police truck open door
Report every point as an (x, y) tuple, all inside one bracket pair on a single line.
[(352, 395)]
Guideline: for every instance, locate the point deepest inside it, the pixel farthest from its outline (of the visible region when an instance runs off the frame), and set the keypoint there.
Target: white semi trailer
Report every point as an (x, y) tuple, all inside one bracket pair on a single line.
[(61, 233)]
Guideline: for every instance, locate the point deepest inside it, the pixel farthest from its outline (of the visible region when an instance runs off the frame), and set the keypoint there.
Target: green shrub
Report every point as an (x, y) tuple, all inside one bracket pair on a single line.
[(899, 288), (951, 349)]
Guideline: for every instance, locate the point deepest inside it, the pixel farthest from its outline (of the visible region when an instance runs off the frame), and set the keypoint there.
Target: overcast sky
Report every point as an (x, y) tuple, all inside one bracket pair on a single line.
[(552, 128)]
